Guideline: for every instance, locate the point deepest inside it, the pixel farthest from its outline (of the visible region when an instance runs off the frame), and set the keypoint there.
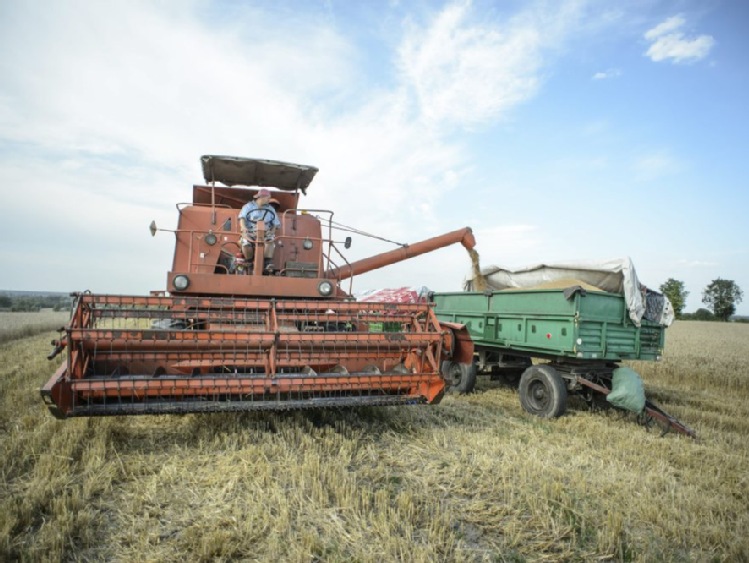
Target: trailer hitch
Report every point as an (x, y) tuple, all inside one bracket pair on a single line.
[(650, 413), (654, 412)]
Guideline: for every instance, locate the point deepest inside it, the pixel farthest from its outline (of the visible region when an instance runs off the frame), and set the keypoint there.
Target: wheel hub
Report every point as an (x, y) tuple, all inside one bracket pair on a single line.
[(540, 394), (455, 375)]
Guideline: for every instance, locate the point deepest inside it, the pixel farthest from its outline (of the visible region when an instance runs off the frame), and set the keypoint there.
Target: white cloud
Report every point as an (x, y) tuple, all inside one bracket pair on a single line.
[(668, 42), (109, 109), (104, 114), (665, 27), (610, 73), (134, 80), (464, 70), (655, 165)]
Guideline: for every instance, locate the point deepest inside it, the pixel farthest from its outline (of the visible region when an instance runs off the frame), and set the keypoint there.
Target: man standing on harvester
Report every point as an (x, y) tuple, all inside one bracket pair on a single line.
[(252, 212)]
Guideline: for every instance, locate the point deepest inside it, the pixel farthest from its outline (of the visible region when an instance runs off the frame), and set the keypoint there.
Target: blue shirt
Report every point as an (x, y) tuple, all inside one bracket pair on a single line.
[(251, 213)]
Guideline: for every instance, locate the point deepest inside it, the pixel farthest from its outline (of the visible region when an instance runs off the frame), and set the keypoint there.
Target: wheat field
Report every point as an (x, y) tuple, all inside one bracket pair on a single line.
[(471, 479), (21, 325)]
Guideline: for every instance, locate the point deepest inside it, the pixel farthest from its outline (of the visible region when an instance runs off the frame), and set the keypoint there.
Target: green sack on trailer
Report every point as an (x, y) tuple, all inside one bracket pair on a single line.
[(627, 391)]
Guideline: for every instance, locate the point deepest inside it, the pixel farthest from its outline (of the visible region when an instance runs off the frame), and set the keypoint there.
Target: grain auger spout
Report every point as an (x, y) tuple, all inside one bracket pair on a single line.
[(253, 316), (463, 236)]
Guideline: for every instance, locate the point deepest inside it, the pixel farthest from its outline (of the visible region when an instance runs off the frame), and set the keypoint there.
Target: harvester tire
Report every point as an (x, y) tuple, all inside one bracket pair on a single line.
[(543, 392), (459, 377)]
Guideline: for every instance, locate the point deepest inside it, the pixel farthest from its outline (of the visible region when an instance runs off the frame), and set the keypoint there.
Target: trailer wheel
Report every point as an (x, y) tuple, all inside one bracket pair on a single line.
[(459, 377), (543, 392)]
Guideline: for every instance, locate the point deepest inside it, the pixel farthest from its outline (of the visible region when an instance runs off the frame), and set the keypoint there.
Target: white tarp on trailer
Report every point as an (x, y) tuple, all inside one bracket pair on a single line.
[(613, 276)]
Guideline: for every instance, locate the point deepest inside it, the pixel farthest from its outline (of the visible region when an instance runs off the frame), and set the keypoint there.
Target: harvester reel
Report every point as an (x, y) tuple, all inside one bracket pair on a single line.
[(170, 354)]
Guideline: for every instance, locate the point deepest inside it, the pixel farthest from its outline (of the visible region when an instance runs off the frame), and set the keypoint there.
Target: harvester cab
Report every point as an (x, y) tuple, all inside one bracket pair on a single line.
[(227, 335), (208, 258)]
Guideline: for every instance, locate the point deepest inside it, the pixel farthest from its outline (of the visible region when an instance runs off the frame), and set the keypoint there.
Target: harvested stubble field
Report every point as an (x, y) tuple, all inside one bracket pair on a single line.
[(472, 479)]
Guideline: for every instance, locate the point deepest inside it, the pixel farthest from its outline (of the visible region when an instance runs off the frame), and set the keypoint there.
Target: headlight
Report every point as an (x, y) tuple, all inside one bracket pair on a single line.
[(325, 288), (181, 282), (307, 244), (210, 239)]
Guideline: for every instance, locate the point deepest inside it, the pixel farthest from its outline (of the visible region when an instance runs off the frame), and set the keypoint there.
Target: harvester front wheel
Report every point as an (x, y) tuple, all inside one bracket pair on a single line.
[(459, 377), (543, 392)]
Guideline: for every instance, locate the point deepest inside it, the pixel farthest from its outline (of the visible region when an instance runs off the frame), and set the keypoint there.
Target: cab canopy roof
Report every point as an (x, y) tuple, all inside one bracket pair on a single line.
[(233, 171)]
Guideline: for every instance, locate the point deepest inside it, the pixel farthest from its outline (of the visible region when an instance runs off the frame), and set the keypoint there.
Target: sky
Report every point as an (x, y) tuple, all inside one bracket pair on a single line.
[(566, 130)]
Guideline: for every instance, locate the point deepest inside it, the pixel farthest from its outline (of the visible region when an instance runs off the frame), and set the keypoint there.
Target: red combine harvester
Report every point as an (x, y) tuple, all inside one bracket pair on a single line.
[(235, 336)]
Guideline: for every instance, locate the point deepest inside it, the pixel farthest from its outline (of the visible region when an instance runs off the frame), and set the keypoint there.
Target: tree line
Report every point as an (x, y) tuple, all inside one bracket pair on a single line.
[(34, 303), (720, 298)]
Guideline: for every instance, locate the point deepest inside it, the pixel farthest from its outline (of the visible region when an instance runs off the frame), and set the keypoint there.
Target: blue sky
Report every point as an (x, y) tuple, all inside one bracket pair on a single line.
[(558, 130)]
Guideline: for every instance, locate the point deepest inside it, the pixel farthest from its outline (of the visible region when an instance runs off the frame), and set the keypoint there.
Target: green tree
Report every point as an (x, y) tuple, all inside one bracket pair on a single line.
[(703, 315), (677, 295), (722, 296)]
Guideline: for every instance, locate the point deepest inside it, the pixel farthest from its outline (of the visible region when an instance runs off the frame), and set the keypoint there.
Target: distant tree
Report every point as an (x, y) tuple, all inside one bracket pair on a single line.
[(5, 301), (677, 295), (722, 296), (702, 314)]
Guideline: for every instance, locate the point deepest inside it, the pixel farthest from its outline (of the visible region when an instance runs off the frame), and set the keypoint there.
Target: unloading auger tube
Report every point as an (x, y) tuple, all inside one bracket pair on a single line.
[(233, 340), (463, 236)]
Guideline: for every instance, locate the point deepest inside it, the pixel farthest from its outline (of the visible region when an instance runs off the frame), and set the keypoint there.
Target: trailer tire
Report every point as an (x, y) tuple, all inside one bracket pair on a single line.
[(459, 377), (543, 392)]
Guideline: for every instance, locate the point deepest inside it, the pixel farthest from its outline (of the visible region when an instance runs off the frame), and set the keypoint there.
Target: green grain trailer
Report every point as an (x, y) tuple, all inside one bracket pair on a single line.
[(587, 325), (578, 337)]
